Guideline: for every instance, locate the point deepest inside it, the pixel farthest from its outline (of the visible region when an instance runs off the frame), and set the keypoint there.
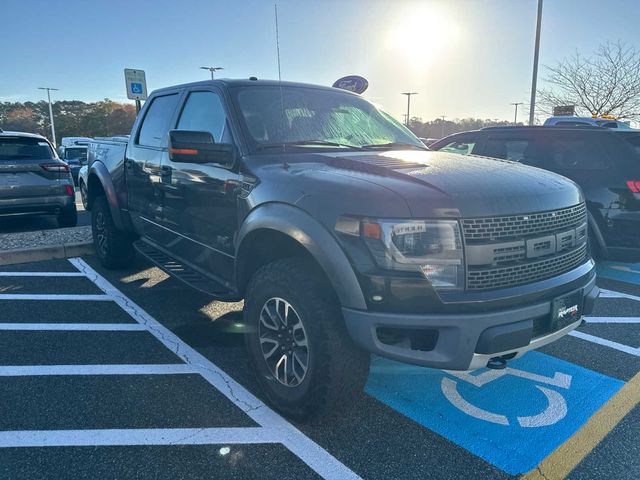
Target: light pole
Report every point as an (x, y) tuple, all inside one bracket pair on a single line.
[(212, 70), (408, 94), (534, 80), (442, 117), (515, 116), (53, 128)]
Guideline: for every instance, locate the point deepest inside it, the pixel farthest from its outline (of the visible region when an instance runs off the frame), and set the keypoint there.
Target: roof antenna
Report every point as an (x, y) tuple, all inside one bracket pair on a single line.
[(282, 119)]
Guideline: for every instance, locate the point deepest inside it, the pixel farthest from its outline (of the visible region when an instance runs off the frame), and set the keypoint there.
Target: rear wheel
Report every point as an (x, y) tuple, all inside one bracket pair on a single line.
[(68, 217), (298, 346), (114, 247)]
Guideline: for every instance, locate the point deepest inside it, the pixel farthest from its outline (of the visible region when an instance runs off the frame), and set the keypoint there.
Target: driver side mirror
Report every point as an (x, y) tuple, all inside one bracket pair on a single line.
[(190, 146)]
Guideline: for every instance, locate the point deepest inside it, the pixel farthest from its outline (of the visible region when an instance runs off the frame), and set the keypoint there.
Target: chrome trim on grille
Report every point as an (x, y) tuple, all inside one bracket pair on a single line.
[(519, 226), (521, 273)]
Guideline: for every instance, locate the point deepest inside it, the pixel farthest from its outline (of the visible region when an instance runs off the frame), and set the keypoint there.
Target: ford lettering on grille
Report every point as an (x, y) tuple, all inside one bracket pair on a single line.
[(507, 251)]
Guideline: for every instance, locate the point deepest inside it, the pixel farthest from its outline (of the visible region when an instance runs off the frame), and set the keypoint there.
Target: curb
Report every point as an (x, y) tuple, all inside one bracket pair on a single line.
[(38, 254)]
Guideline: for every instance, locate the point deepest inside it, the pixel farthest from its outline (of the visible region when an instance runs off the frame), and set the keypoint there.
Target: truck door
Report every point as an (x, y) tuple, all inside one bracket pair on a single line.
[(142, 163), (200, 200)]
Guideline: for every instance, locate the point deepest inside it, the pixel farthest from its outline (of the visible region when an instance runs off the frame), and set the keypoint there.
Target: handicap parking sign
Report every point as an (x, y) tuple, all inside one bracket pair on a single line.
[(136, 88), (512, 418)]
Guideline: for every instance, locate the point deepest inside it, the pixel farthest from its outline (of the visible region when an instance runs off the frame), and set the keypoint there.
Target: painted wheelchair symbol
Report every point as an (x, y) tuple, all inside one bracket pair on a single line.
[(555, 411)]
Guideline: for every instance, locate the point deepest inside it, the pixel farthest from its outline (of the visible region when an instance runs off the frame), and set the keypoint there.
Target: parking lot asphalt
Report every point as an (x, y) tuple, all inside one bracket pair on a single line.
[(131, 374), (30, 223)]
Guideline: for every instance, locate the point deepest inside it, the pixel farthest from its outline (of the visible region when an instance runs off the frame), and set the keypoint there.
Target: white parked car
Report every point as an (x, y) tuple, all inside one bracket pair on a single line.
[(83, 178), (605, 121)]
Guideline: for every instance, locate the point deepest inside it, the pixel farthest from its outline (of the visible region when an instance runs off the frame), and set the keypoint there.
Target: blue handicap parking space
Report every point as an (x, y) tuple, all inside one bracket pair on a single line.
[(512, 418), (624, 272)]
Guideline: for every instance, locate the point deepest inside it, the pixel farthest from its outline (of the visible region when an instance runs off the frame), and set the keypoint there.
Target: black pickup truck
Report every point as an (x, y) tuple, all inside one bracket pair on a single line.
[(342, 233)]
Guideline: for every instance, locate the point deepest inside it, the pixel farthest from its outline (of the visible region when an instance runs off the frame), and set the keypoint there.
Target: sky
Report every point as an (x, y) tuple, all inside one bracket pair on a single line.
[(464, 58)]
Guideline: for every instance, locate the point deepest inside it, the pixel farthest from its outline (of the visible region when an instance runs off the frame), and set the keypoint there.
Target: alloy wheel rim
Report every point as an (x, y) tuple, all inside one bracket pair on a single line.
[(283, 342)]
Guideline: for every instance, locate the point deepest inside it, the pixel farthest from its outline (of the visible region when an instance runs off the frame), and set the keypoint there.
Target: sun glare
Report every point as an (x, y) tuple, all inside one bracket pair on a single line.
[(421, 35)]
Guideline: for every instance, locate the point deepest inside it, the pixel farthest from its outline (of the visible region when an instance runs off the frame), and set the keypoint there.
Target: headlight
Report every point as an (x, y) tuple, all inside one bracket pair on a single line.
[(432, 248)]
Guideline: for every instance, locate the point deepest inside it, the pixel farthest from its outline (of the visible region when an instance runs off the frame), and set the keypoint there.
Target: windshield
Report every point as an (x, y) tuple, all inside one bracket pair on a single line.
[(317, 118), (15, 148), (75, 154)]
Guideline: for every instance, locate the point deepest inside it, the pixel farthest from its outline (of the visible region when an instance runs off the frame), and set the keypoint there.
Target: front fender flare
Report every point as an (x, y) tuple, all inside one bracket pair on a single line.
[(314, 237), (100, 171)]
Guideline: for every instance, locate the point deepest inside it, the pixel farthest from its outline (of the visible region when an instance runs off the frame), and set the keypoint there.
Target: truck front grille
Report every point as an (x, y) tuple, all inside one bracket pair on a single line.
[(519, 274), (518, 226)]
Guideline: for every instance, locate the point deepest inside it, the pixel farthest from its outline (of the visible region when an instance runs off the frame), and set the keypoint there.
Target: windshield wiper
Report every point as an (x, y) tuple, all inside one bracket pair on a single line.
[(302, 143), (374, 146)]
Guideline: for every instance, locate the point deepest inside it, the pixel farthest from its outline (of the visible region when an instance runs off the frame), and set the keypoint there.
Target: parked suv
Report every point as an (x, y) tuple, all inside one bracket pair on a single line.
[(343, 234), (33, 180), (606, 167)]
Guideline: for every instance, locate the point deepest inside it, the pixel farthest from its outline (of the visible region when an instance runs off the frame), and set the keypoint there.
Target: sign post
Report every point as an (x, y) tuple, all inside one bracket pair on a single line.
[(136, 83)]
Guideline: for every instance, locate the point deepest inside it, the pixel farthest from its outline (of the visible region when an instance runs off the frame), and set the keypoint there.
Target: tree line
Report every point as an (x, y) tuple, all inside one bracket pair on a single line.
[(72, 118), (440, 128)]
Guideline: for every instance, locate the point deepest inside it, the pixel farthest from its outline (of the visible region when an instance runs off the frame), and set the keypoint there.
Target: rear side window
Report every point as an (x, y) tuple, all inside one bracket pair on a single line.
[(463, 146), (24, 148), (572, 124), (634, 141), (155, 125), (577, 153), (203, 111), (508, 149)]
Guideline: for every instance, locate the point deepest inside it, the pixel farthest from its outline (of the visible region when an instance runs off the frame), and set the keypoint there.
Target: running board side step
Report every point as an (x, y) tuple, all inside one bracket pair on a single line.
[(184, 273)]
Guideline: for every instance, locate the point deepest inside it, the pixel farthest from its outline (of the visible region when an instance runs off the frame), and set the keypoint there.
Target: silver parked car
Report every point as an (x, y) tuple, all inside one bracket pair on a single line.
[(33, 180)]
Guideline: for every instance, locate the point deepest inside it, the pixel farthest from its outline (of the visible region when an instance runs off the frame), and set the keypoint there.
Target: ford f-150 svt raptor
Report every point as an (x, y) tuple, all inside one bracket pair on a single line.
[(343, 234)]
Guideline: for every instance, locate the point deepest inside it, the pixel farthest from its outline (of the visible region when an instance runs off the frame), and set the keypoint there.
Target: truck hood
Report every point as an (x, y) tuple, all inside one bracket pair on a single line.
[(474, 186)]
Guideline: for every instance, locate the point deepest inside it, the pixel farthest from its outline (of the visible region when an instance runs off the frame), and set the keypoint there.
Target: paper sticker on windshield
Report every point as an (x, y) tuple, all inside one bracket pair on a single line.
[(43, 144), (353, 83)]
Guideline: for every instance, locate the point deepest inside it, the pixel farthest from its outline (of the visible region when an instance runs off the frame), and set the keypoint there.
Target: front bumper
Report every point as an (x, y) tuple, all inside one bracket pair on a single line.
[(466, 341)]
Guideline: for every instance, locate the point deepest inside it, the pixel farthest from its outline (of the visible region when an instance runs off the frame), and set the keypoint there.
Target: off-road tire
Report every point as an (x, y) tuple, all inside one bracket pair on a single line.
[(114, 247), (337, 368), (68, 217)]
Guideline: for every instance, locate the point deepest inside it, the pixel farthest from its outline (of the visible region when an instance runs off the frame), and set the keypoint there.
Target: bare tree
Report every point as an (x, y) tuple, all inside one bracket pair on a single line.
[(608, 83)]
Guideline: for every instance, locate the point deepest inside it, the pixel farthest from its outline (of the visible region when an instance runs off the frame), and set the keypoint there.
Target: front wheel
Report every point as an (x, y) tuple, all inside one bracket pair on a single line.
[(298, 345), (114, 247)]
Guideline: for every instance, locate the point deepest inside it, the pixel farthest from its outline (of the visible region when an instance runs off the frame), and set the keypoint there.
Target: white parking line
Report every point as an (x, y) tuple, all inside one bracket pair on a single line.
[(606, 343), (29, 296), (613, 294), (318, 459), (105, 327), (147, 436), (41, 274), (627, 320), (43, 370)]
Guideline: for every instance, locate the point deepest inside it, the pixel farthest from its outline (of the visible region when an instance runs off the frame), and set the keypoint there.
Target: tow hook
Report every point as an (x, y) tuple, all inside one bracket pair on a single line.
[(497, 363)]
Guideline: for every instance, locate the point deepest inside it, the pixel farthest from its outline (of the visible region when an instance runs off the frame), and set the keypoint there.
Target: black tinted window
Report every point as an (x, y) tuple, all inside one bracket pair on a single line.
[(156, 121), (461, 145), (75, 153), (508, 149), (19, 148), (203, 111), (577, 153), (634, 140)]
